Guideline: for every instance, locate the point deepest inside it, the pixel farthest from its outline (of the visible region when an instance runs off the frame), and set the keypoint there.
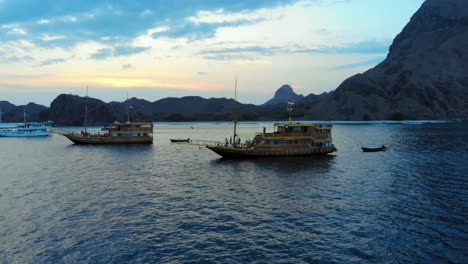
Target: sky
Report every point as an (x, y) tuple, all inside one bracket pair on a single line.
[(152, 49)]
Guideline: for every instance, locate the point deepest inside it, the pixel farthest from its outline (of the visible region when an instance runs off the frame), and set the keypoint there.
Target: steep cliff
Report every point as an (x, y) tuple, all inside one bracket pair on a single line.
[(425, 74)]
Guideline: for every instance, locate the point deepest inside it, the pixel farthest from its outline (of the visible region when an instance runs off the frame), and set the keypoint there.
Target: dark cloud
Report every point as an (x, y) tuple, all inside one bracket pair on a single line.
[(102, 54), (202, 73), (117, 51), (127, 67), (95, 20)]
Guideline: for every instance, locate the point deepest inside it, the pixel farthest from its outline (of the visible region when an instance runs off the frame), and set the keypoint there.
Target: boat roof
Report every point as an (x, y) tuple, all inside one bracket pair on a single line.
[(130, 124), (301, 125)]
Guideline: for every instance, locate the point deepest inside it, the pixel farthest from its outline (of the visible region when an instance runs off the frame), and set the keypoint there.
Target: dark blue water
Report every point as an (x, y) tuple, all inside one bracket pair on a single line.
[(61, 203)]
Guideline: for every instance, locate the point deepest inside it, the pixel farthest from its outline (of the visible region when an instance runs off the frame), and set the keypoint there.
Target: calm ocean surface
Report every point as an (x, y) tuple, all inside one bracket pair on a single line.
[(64, 203)]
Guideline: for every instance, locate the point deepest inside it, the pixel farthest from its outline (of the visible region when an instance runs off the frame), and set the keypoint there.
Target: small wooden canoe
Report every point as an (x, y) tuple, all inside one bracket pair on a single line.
[(382, 148)]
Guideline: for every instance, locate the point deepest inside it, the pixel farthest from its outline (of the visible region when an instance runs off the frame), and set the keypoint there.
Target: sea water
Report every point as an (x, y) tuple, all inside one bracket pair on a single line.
[(65, 203)]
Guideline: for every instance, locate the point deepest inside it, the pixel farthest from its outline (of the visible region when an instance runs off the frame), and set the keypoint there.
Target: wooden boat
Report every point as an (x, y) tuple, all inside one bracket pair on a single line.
[(382, 148), (116, 133), (180, 140), (288, 139)]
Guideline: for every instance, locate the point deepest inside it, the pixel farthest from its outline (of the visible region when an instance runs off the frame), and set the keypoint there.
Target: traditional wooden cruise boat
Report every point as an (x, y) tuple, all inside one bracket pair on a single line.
[(116, 133), (288, 139)]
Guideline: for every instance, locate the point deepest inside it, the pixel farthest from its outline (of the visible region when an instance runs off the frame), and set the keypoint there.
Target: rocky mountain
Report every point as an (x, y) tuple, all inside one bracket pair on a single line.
[(425, 74), (282, 95), (70, 109), (13, 113), (6, 106)]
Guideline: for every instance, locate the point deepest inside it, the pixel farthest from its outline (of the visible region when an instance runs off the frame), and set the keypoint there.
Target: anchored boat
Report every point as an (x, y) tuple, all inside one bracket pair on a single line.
[(31, 129), (27, 129), (288, 139), (115, 133)]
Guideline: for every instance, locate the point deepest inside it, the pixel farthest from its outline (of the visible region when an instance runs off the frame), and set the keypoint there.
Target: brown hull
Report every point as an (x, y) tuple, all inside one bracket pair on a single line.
[(97, 140), (264, 151)]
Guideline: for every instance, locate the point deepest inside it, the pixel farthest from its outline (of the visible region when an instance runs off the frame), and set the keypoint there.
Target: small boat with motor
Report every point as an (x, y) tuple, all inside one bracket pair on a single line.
[(381, 148), (180, 140)]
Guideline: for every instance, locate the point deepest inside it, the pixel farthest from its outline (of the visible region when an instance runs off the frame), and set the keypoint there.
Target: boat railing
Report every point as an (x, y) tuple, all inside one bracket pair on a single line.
[(297, 135), (197, 142)]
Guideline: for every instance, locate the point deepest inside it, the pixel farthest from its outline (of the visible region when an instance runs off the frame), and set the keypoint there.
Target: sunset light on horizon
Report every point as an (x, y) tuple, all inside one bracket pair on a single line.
[(157, 49)]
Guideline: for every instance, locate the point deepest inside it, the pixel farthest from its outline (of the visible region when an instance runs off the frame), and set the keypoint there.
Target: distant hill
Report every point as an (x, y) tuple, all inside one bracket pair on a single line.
[(425, 74), (69, 110), (282, 95), (13, 113)]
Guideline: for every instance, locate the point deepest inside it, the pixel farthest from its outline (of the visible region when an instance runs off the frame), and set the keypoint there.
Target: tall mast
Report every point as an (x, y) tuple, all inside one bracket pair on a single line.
[(235, 111), (24, 114), (128, 111), (86, 111)]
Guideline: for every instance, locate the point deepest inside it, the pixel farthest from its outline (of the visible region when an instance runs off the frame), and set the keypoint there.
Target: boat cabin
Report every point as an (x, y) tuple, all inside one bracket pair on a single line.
[(129, 129), (317, 135)]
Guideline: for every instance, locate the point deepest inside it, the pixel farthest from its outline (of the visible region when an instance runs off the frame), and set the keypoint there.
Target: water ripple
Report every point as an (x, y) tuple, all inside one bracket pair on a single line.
[(170, 203)]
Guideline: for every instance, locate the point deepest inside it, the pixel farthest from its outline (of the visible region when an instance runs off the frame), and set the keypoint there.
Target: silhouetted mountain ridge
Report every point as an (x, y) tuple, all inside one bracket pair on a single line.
[(283, 94), (424, 76)]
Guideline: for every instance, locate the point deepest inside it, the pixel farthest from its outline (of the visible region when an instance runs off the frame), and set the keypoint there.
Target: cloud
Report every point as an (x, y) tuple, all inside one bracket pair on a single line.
[(117, 51), (127, 67), (102, 54), (46, 37), (202, 73), (128, 50), (247, 62), (196, 31), (16, 59), (17, 31), (366, 47), (370, 63), (90, 20), (51, 61), (266, 51), (227, 57), (220, 17)]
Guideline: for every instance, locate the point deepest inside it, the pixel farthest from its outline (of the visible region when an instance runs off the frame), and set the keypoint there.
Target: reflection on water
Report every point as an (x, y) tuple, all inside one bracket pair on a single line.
[(165, 202), (289, 165)]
